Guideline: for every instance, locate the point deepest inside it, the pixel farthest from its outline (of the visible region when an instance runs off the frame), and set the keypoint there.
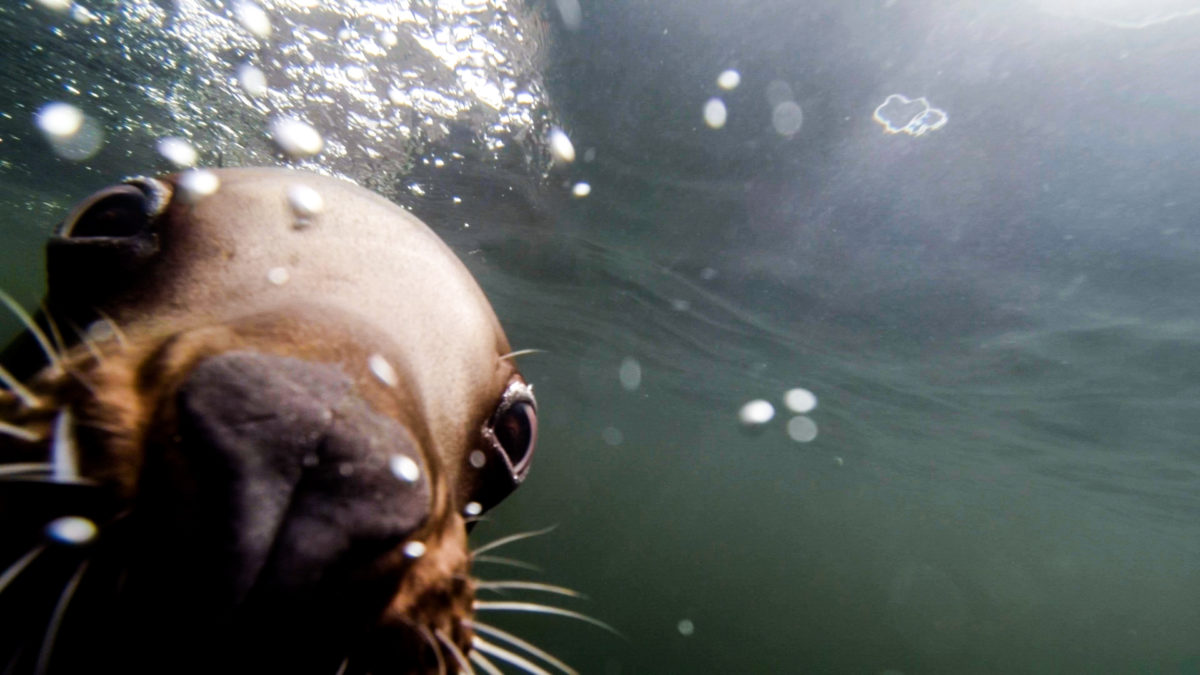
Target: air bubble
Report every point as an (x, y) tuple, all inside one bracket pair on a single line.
[(177, 151), (297, 138), (802, 429), (252, 80), (729, 80), (253, 18), (787, 118), (560, 146), (756, 413), (686, 627), (630, 373), (278, 276), (197, 184), (581, 189), (473, 509), (477, 459), (800, 400), (306, 203), (414, 549), (715, 113), (71, 530), (60, 120), (612, 436), (405, 469), (383, 370)]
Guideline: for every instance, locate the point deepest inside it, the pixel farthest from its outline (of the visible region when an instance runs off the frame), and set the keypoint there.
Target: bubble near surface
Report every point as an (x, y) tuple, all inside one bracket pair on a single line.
[(297, 138), (630, 374), (414, 549), (581, 189), (177, 151), (278, 276), (305, 201), (913, 116), (686, 628), (561, 147), (382, 370), (800, 400), (787, 118), (59, 120), (405, 468), (729, 79), (198, 183)]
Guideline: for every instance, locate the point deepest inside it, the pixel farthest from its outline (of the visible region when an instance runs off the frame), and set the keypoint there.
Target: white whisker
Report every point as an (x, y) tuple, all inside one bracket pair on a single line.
[(55, 334), (437, 651), (25, 468), (464, 666), (342, 668), (14, 570), (482, 661), (87, 343), (528, 586), (535, 608), (502, 653), (32, 326), (122, 341), (521, 352), (20, 433), (60, 610), (21, 391), (522, 644), (64, 454), (502, 541), (497, 560)]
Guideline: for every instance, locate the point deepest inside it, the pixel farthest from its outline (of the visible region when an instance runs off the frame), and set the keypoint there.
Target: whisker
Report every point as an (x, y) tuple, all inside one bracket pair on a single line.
[(502, 541), (521, 352), (464, 666), (55, 334), (536, 608), (20, 433), (87, 342), (428, 637), (482, 661), (497, 560), (20, 390), (529, 586), (502, 653), (60, 610), (25, 468), (14, 570), (32, 326), (522, 644), (64, 454), (342, 668)]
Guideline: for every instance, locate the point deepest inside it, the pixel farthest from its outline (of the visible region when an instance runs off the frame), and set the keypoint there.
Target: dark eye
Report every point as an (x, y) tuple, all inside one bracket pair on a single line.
[(505, 454)]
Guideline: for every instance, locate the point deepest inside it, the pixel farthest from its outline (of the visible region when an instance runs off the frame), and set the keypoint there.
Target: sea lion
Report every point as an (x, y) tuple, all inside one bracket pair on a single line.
[(264, 454)]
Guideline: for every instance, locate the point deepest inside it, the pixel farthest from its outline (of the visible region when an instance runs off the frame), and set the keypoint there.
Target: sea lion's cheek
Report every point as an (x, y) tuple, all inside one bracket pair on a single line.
[(278, 478)]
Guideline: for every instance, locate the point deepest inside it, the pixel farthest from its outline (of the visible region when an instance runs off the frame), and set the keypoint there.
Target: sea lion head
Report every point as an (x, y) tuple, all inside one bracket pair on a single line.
[(292, 399)]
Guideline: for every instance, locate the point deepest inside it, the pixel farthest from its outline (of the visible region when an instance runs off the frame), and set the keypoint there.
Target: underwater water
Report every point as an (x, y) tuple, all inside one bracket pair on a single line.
[(968, 228)]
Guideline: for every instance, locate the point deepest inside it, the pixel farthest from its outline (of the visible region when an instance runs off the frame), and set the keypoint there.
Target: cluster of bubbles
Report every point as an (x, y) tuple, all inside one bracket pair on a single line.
[(800, 427), (346, 87), (786, 114), (913, 116)]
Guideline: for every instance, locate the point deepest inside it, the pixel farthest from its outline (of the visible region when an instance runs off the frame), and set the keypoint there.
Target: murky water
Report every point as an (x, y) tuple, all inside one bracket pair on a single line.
[(968, 228)]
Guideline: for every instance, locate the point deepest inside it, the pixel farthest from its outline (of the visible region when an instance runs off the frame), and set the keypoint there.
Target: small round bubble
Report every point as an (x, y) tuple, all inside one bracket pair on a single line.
[(414, 549), (800, 400), (252, 80), (715, 113), (729, 79), (405, 468), (756, 412), (686, 628), (383, 370), (198, 183), (802, 429), (71, 530), (278, 276), (787, 118), (477, 459), (253, 18), (59, 120), (295, 137), (472, 509), (630, 374), (177, 151), (612, 436), (305, 201), (581, 189), (561, 147)]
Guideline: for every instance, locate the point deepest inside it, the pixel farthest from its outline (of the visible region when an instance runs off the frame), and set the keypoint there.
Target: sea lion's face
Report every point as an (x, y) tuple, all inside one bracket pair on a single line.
[(300, 398)]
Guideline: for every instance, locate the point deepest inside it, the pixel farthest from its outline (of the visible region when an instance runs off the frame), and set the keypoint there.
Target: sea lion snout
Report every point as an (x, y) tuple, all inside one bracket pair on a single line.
[(296, 410)]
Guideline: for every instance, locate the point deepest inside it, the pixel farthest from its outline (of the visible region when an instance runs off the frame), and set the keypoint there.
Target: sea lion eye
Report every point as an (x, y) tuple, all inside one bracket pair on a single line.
[(506, 453)]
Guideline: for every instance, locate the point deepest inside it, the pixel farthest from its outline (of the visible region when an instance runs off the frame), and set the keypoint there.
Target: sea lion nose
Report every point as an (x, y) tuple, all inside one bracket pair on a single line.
[(278, 479)]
